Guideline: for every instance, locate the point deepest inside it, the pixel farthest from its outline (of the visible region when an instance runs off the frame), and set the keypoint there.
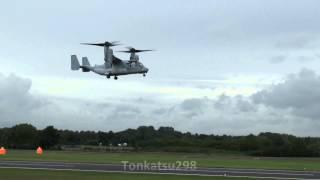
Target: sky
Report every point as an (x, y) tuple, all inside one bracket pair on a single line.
[(220, 67)]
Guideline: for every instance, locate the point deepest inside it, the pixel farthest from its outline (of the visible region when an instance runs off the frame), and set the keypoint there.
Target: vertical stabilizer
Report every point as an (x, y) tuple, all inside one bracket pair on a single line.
[(74, 63), (85, 61), (85, 64)]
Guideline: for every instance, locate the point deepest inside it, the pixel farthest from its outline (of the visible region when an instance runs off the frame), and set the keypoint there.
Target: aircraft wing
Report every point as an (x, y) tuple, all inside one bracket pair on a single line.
[(116, 60)]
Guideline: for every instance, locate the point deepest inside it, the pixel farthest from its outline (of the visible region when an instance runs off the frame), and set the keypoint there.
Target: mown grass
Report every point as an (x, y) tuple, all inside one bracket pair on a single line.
[(203, 160)]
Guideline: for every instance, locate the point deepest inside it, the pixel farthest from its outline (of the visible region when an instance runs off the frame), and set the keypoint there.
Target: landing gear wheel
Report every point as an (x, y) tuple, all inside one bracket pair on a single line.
[(144, 75), (108, 76), (115, 77)]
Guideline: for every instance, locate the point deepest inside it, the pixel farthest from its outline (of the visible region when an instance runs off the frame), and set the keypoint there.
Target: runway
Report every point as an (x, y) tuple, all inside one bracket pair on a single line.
[(120, 168)]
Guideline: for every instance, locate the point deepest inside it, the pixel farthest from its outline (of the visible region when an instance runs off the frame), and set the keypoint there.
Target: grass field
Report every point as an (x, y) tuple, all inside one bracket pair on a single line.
[(203, 160), (18, 174)]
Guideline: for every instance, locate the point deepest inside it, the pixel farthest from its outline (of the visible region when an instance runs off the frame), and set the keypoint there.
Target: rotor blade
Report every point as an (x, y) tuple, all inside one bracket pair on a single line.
[(94, 44), (132, 50), (145, 50), (113, 43), (125, 51)]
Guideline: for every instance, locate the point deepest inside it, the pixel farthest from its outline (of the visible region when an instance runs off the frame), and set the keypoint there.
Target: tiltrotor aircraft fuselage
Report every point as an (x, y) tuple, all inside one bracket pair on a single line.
[(112, 66)]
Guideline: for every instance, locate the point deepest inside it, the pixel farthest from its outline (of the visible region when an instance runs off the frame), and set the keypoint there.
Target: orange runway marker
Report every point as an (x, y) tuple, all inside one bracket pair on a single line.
[(39, 151), (3, 151)]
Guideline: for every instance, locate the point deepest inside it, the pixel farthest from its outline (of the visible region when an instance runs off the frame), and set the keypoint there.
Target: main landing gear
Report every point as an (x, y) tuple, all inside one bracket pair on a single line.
[(115, 77)]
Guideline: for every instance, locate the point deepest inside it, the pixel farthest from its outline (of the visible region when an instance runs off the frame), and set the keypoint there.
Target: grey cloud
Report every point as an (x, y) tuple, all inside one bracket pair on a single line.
[(160, 111), (288, 107), (297, 42), (237, 104), (16, 103), (299, 92), (302, 58), (192, 104), (127, 108), (222, 102), (245, 105), (163, 112), (277, 59), (193, 107)]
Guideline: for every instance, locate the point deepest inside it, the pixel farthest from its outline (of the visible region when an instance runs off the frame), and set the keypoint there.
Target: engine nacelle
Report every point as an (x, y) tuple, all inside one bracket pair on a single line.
[(109, 55), (134, 58)]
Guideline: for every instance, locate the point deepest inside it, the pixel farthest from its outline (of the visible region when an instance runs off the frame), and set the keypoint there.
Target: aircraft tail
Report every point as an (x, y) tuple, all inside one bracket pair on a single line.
[(85, 64), (75, 65), (85, 61)]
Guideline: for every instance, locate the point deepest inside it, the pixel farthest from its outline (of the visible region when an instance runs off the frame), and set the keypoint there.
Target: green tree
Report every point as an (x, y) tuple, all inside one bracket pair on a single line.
[(23, 136), (49, 137)]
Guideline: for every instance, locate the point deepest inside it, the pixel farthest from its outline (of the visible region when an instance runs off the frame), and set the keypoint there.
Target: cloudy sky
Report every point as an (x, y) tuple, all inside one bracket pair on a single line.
[(222, 67)]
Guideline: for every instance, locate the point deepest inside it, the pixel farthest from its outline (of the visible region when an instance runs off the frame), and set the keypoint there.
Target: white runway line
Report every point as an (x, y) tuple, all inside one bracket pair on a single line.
[(268, 170), (242, 172), (32, 164)]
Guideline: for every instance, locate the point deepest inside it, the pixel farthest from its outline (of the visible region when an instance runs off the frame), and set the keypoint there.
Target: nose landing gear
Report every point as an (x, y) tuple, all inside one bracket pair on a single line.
[(115, 77), (144, 74)]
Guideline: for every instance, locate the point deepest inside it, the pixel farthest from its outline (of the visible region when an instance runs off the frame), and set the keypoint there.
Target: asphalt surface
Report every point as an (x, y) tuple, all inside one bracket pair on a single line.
[(144, 168)]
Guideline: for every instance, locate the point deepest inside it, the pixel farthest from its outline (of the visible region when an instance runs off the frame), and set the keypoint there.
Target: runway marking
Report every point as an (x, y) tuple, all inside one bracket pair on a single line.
[(155, 173), (241, 172), (32, 164), (68, 163), (251, 169)]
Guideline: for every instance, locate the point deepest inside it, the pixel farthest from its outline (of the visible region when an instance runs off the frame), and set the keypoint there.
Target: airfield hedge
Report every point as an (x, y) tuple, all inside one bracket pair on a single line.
[(26, 136)]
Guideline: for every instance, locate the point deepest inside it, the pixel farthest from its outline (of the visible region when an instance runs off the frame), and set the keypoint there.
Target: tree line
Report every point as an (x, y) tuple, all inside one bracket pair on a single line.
[(147, 138)]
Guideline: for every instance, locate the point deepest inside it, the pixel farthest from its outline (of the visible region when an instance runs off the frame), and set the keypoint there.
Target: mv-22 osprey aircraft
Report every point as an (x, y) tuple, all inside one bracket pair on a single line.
[(112, 66)]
